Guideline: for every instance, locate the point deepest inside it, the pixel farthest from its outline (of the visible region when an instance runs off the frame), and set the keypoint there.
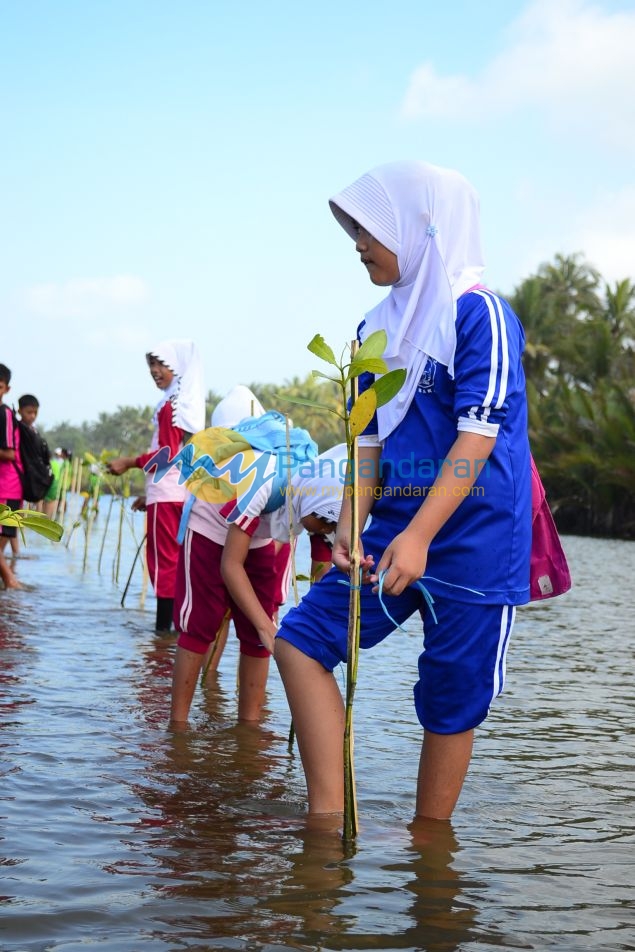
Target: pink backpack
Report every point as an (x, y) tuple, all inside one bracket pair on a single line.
[(548, 573)]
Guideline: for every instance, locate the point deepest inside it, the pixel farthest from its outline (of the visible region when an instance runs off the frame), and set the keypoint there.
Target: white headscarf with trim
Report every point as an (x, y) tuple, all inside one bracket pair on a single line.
[(321, 491), (187, 390), (429, 218)]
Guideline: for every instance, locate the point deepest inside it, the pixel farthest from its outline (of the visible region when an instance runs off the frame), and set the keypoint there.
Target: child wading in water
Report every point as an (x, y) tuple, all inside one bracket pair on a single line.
[(445, 466), (175, 366), (235, 556), (10, 469)]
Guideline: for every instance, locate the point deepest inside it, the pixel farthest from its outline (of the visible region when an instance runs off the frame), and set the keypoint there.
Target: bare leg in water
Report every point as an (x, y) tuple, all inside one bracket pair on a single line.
[(317, 710)]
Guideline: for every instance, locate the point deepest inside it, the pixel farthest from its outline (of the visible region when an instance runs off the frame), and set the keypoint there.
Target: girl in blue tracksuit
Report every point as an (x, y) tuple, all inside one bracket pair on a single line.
[(444, 470)]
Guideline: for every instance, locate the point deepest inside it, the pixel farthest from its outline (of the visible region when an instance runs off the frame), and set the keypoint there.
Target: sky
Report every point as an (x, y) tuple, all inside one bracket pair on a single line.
[(166, 168)]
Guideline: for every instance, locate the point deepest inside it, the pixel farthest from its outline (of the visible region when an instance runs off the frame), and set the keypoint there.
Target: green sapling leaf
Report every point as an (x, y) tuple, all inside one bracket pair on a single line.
[(388, 386), (321, 349), (30, 519), (308, 403), (318, 373), (373, 346), (371, 365), (362, 411)]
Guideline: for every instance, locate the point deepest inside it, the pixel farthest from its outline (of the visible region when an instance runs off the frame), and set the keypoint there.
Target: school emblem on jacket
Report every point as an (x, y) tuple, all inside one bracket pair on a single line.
[(426, 382)]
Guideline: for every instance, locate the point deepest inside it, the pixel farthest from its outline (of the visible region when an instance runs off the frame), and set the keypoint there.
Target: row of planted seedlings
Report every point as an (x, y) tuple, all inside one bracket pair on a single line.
[(356, 411), (89, 480)]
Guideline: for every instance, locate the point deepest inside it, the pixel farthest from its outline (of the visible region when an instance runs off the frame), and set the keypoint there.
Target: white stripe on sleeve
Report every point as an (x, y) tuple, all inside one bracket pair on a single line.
[(499, 332)]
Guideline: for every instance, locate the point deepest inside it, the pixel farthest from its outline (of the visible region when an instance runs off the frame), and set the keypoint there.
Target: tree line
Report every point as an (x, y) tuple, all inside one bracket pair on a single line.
[(579, 363)]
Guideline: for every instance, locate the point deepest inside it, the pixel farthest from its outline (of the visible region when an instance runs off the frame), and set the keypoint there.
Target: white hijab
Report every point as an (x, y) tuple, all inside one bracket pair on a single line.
[(429, 217), (239, 403), (317, 489), (321, 491), (187, 391)]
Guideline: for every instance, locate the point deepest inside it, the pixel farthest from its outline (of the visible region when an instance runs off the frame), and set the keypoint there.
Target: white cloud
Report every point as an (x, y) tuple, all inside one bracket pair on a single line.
[(606, 233), (87, 298), (131, 338), (602, 232), (568, 58)]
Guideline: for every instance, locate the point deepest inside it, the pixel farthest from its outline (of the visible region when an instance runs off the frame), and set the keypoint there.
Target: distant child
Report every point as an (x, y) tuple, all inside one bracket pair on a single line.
[(36, 456), (176, 368), (55, 496), (447, 466), (28, 407), (91, 494), (10, 480), (234, 559)]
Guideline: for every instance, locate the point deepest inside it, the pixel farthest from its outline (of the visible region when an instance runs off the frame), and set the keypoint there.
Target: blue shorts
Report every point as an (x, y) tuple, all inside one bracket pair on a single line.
[(461, 667)]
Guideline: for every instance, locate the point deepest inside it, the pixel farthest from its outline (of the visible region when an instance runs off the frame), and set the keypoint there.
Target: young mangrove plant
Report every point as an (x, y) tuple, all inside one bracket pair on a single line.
[(356, 411), (23, 519)]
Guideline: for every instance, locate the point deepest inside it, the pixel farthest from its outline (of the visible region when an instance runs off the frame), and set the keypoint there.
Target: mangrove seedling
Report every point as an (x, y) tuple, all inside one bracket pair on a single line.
[(356, 412)]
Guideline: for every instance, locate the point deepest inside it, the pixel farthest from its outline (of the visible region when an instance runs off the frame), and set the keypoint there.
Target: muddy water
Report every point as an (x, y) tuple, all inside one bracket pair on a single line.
[(118, 835)]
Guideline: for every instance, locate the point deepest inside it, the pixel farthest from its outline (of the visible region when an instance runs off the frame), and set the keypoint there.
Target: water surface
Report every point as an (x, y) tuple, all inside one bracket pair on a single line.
[(120, 836)]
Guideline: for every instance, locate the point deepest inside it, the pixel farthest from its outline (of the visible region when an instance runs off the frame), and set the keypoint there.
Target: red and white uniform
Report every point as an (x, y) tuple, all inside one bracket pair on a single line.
[(179, 413)]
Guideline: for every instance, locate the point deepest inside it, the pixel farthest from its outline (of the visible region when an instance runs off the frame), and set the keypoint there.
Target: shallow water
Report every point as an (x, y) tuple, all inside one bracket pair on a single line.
[(120, 836)]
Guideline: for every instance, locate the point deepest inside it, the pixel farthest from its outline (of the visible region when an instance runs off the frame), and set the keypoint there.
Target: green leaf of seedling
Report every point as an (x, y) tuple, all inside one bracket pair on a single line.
[(29, 519), (47, 528), (308, 403), (371, 365), (317, 568), (368, 357), (362, 411), (301, 400), (318, 373), (388, 386), (373, 346), (321, 349), (8, 516)]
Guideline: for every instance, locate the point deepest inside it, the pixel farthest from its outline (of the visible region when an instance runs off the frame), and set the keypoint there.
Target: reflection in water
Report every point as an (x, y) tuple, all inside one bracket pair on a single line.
[(122, 835), (15, 650), (234, 858), (14, 663), (231, 867), (410, 899)]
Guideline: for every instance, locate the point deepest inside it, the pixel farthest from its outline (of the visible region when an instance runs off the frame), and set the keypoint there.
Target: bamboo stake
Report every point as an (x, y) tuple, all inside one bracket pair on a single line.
[(354, 623), (76, 475), (61, 509), (294, 574), (117, 561), (90, 518), (72, 471), (218, 641), (144, 583), (134, 562), (58, 499), (103, 538)]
